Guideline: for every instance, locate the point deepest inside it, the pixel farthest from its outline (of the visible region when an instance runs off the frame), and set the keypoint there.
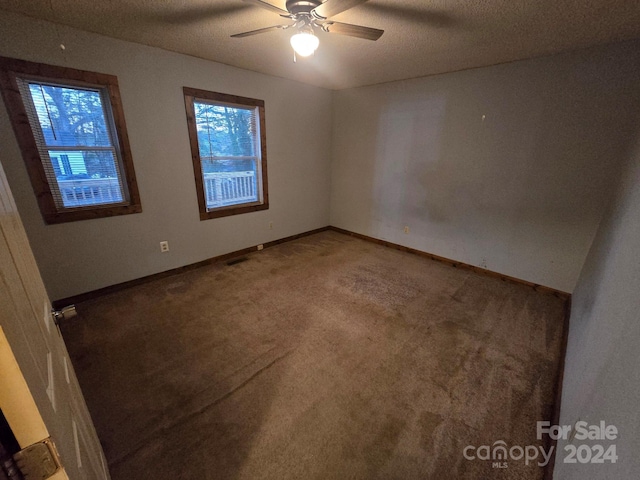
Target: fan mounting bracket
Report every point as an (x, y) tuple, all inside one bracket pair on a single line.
[(302, 7)]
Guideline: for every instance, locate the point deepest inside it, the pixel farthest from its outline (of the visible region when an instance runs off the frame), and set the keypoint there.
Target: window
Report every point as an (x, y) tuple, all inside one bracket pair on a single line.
[(228, 147), (71, 130)]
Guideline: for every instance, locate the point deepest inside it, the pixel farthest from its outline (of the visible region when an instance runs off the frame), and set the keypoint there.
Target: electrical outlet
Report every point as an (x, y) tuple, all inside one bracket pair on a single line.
[(406, 229), (164, 246), (270, 225), (260, 247)]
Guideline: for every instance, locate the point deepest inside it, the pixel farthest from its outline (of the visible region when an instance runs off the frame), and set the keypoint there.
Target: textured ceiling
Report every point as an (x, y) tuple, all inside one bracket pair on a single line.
[(422, 37)]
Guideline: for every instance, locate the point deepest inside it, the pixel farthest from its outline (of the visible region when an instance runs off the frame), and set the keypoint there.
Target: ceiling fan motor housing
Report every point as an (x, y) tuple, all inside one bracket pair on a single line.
[(302, 6), (308, 15)]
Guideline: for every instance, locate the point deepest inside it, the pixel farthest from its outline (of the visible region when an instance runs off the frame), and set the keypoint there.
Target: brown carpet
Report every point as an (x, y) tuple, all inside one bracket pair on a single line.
[(323, 358)]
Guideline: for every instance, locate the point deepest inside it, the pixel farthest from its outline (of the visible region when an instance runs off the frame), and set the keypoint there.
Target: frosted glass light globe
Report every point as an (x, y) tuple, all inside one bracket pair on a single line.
[(304, 43)]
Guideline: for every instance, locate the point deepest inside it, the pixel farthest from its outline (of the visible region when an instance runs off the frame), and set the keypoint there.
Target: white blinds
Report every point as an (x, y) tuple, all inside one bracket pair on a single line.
[(74, 136)]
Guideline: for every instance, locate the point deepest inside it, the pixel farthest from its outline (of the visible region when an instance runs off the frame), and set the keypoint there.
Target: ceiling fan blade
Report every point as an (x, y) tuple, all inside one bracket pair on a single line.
[(334, 7), (260, 30), (269, 6), (352, 30)]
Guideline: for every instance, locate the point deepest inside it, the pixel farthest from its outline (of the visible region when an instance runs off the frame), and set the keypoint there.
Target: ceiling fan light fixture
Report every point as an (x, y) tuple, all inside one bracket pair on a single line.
[(309, 15), (304, 43)]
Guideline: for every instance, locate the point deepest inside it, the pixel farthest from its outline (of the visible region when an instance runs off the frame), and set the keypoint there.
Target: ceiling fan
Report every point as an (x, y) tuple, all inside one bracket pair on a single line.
[(311, 15)]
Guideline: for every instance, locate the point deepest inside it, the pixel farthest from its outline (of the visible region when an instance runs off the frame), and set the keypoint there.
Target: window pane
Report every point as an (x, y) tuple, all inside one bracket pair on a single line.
[(86, 178), (225, 131), (70, 116), (230, 182), (73, 140), (228, 149)]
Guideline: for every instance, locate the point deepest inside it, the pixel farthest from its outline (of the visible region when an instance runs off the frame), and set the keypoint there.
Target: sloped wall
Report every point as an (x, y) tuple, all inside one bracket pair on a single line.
[(602, 378)]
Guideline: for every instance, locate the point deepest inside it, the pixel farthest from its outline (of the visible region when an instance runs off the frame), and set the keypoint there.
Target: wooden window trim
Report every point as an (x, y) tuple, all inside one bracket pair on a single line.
[(191, 94), (10, 70)]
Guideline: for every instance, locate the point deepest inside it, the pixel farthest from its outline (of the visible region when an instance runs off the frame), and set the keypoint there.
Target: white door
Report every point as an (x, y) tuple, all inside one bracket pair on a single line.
[(39, 392)]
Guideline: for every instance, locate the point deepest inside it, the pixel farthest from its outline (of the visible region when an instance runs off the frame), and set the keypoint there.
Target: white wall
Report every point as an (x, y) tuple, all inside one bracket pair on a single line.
[(507, 167), (602, 370), (82, 256)]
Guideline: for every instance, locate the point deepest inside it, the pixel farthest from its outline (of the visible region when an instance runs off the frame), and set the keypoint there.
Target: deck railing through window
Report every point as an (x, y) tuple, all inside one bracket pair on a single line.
[(90, 191), (230, 188)]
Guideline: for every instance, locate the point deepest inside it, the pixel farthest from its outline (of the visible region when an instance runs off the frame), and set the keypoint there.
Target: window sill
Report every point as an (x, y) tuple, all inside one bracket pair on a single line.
[(91, 213), (233, 210)]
